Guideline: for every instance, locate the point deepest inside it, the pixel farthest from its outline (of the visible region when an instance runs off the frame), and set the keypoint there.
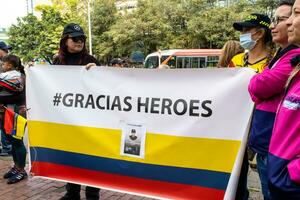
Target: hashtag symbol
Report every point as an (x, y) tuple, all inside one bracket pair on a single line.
[(56, 99)]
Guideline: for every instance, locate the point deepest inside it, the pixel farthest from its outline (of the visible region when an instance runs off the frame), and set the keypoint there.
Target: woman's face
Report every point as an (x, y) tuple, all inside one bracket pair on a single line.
[(75, 44), (294, 25)]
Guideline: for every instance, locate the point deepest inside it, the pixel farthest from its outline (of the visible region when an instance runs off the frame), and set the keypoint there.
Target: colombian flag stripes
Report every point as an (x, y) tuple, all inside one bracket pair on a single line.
[(14, 124), (77, 135)]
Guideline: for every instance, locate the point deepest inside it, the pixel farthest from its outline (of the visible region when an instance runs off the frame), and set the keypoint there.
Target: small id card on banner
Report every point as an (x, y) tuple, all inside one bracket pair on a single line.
[(133, 140)]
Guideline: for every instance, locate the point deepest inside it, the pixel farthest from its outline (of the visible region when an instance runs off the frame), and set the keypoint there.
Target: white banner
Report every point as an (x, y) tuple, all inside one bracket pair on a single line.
[(140, 125)]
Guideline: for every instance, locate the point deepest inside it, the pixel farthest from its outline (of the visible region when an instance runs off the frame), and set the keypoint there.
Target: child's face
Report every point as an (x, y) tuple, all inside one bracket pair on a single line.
[(6, 66)]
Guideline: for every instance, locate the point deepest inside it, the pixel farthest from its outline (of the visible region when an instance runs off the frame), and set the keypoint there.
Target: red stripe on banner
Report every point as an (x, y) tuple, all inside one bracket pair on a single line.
[(125, 183)]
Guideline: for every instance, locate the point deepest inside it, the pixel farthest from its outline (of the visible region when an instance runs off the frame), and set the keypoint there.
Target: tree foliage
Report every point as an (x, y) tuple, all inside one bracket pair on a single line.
[(37, 38), (176, 24), (153, 25)]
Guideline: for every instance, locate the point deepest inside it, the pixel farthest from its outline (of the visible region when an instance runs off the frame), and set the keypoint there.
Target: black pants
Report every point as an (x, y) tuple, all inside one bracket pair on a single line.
[(73, 191), (18, 151), (242, 192)]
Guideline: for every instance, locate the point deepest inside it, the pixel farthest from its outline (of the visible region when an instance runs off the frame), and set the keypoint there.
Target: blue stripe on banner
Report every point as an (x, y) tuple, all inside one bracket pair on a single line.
[(203, 178)]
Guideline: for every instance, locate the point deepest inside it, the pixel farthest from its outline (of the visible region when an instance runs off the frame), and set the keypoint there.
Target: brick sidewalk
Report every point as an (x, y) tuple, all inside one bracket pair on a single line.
[(43, 189)]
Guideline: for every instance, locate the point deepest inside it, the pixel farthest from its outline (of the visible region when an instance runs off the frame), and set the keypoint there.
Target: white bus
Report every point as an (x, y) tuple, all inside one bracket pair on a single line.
[(183, 58)]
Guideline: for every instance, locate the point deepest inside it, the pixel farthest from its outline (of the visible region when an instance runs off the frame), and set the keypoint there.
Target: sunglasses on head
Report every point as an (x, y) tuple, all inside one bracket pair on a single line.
[(78, 38)]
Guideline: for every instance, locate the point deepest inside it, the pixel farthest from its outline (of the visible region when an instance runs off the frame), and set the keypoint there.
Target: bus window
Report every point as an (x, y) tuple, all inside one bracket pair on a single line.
[(187, 62), (195, 62), (151, 62), (212, 61), (172, 62), (163, 58), (202, 62), (184, 58), (198, 62), (179, 62)]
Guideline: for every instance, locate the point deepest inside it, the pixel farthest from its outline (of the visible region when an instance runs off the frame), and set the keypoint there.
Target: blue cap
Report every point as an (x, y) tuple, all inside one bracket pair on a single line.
[(4, 46)]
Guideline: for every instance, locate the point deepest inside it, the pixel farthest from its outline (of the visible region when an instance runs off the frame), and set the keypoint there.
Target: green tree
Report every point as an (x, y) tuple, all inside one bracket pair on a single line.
[(33, 38), (23, 37), (104, 16), (52, 23), (211, 28), (267, 6), (72, 10), (153, 25)]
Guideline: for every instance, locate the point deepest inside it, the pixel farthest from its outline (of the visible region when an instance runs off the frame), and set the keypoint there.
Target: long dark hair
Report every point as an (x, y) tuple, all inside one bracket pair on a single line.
[(63, 51)]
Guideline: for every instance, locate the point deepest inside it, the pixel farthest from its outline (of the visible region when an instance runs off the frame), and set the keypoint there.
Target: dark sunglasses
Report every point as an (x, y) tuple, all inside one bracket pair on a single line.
[(77, 39)]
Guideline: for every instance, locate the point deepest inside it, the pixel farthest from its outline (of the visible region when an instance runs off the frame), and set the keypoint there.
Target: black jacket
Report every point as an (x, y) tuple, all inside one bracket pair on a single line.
[(76, 59)]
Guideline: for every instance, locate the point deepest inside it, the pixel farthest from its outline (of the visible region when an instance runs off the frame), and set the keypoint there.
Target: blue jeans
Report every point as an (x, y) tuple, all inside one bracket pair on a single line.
[(277, 194), (6, 145), (263, 174)]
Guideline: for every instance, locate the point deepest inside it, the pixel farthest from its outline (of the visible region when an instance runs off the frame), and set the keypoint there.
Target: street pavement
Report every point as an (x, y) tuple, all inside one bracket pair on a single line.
[(42, 189)]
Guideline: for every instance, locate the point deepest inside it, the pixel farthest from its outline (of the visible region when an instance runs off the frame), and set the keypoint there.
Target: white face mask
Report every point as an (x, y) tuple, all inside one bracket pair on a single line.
[(246, 41)]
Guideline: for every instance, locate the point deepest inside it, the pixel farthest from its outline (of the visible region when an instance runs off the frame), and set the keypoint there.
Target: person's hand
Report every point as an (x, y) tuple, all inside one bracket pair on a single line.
[(88, 66), (22, 111), (29, 64)]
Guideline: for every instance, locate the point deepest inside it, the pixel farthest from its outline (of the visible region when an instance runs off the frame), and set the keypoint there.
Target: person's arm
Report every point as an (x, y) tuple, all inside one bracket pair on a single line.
[(294, 170), (294, 165), (56, 60), (271, 82), (12, 85), (14, 90), (292, 144), (10, 98)]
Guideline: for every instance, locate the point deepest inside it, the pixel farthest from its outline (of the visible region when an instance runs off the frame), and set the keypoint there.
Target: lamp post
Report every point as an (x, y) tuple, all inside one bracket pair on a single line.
[(90, 27), (29, 5)]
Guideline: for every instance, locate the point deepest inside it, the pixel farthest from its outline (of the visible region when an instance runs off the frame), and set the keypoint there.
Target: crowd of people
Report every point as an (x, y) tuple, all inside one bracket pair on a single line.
[(275, 130)]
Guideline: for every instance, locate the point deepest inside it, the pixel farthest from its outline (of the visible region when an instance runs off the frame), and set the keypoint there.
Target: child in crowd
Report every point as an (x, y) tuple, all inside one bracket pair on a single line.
[(12, 95), (11, 78)]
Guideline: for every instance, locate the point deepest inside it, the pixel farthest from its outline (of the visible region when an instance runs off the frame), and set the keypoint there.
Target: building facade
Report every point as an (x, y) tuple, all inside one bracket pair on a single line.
[(127, 5)]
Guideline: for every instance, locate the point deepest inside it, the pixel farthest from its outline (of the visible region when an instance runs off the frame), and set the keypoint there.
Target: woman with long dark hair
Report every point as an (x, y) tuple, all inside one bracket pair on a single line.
[(73, 51)]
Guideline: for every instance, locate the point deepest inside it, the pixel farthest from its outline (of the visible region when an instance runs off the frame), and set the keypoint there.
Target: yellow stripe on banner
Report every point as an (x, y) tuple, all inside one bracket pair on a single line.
[(166, 150)]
